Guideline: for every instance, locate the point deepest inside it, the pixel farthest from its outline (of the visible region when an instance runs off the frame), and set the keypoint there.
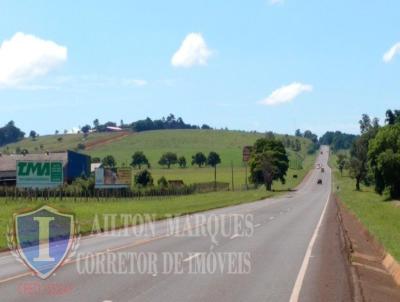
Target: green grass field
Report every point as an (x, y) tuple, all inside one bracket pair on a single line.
[(85, 211), (380, 216), (228, 144), (224, 174)]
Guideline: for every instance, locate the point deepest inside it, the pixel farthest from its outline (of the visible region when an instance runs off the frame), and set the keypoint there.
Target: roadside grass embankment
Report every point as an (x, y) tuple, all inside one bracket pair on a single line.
[(377, 213), (162, 207)]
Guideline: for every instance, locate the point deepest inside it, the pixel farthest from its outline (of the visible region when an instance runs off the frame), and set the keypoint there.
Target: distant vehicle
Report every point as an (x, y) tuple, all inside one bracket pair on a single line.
[(318, 166), (322, 152), (319, 181), (322, 170)]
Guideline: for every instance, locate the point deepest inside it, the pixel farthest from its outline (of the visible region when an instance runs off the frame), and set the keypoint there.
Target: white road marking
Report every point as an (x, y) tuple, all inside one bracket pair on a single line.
[(257, 225), (234, 236), (191, 257), (294, 297), (272, 217), (6, 259)]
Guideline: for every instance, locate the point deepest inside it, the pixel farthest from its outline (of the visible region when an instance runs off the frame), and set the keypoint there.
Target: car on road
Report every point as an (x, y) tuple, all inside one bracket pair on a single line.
[(319, 181), (322, 170)]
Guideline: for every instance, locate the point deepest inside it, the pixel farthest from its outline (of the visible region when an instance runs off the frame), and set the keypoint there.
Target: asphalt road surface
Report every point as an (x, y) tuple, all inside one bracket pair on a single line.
[(290, 253)]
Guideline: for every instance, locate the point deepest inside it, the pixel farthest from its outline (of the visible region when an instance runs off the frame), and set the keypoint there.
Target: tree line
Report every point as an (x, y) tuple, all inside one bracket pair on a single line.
[(338, 140), (167, 159), (315, 144), (374, 157), (169, 122)]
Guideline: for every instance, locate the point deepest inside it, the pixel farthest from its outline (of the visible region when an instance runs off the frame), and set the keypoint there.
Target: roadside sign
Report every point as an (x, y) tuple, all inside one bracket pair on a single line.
[(107, 178), (246, 153), (39, 174)]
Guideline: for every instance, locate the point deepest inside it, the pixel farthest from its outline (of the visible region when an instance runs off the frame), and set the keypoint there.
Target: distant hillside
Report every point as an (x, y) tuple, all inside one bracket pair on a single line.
[(122, 145), (228, 144), (60, 142)]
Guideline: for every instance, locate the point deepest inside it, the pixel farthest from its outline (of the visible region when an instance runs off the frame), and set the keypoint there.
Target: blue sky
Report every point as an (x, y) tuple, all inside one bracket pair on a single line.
[(252, 65)]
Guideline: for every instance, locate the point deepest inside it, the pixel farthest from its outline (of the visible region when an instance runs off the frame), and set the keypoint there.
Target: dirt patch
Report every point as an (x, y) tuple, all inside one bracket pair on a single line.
[(107, 140), (370, 276)]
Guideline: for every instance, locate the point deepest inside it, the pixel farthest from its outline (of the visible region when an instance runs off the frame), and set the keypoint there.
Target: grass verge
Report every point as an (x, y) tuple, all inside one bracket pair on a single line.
[(379, 215)]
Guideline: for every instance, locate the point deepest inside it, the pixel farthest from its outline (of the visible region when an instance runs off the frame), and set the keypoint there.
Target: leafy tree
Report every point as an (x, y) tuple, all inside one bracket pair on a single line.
[(162, 182), (297, 145), (59, 139), (10, 134), (268, 162), (269, 135), (199, 159), (143, 178), (33, 134), (341, 162), (365, 123), (205, 127), (57, 132), (168, 159), (95, 160), (213, 160), (384, 159), (81, 146), (109, 162), (358, 164), (85, 129), (139, 159), (392, 117), (298, 133), (182, 162), (96, 124)]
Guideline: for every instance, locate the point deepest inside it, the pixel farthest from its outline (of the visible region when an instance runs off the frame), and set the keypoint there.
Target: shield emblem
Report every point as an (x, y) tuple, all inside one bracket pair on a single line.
[(44, 238)]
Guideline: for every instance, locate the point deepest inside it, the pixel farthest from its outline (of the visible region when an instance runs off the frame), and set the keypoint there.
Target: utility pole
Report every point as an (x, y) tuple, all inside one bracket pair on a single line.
[(245, 177), (233, 184)]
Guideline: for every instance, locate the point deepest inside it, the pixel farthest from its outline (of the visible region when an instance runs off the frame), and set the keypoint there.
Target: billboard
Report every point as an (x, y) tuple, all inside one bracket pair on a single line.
[(247, 153), (107, 178), (39, 174)]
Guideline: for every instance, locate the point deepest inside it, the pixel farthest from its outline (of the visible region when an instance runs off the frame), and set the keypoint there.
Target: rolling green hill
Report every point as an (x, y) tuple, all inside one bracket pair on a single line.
[(228, 144), (59, 142)]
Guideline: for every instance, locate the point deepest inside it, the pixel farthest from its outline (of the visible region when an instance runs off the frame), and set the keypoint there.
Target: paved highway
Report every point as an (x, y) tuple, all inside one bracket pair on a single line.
[(281, 258)]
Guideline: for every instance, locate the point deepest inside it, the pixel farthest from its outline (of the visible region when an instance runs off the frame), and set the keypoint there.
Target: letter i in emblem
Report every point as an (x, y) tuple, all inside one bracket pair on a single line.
[(44, 235)]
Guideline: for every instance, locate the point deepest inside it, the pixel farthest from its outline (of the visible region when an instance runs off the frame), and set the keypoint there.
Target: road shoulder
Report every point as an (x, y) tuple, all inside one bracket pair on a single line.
[(328, 275), (366, 256)]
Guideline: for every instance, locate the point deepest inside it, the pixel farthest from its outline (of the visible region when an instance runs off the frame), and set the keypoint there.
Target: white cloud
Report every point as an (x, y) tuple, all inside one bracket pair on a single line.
[(286, 94), (389, 55), (275, 2), (193, 51), (25, 57)]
